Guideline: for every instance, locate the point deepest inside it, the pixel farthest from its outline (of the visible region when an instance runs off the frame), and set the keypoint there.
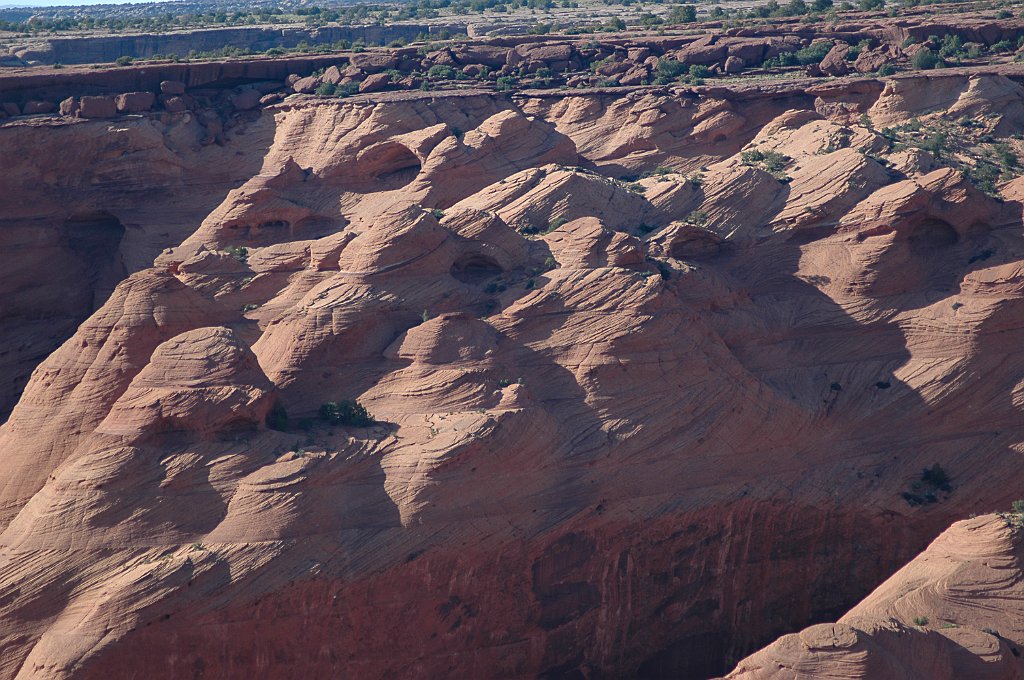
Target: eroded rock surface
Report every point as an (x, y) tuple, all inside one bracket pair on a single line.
[(654, 377), (951, 613), (71, 230)]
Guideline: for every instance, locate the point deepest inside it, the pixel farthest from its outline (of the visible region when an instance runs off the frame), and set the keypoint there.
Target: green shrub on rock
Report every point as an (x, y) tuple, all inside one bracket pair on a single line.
[(346, 412)]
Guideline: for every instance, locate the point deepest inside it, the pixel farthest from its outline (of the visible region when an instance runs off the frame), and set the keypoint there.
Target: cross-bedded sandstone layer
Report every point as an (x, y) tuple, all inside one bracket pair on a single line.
[(951, 613), (655, 376)]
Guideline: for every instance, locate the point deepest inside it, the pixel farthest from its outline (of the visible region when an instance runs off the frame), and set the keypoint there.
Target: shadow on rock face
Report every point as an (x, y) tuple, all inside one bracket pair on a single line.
[(96, 238), (396, 166), (475, 269)]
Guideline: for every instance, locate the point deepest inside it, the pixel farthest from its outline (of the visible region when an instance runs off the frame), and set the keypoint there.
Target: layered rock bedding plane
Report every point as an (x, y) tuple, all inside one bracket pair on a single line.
[(583, 357)]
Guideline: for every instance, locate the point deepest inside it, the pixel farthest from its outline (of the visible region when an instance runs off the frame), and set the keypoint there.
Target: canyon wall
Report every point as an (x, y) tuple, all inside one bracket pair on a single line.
[(116, 194), (107, 48), (57, 85), (643, 400)]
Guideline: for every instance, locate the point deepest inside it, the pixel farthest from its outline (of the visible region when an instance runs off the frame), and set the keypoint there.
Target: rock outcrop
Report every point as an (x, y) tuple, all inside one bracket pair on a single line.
[(653, 378), (124, 192), (950, 613)]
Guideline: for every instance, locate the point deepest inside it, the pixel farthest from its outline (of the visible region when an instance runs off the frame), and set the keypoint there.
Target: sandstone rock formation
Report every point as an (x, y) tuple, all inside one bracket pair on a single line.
[(124, 192), (951, 613), (654, 376)]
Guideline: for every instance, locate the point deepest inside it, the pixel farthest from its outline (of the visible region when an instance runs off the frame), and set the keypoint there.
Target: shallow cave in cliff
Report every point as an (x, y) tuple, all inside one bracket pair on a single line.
[(272, 230), (275, 224), (695, 246), (475, 268), (933, 233), (393, 166), (269, 231), (316, 227), (95, 239), (94, 233)]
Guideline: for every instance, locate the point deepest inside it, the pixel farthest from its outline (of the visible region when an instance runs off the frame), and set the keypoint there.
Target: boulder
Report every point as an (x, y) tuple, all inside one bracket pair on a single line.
[(306, 85), (69, 107), (213, 124), (612, 68), (11, 109), (911, 50), (533, 66), (750, 50), (635, 76), (332, 75), (704, 51), (97, 107), (842, 112), (36, 106), (491, 56), (638, 54), (375, 82), (547, 53), (734, 65), (211, 120), (172, 87), (246, 100), (593, 52), (272, 98), (869, 61), (442, 57), (172, 104), (834, 63), (374, 62), (135, 102)]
